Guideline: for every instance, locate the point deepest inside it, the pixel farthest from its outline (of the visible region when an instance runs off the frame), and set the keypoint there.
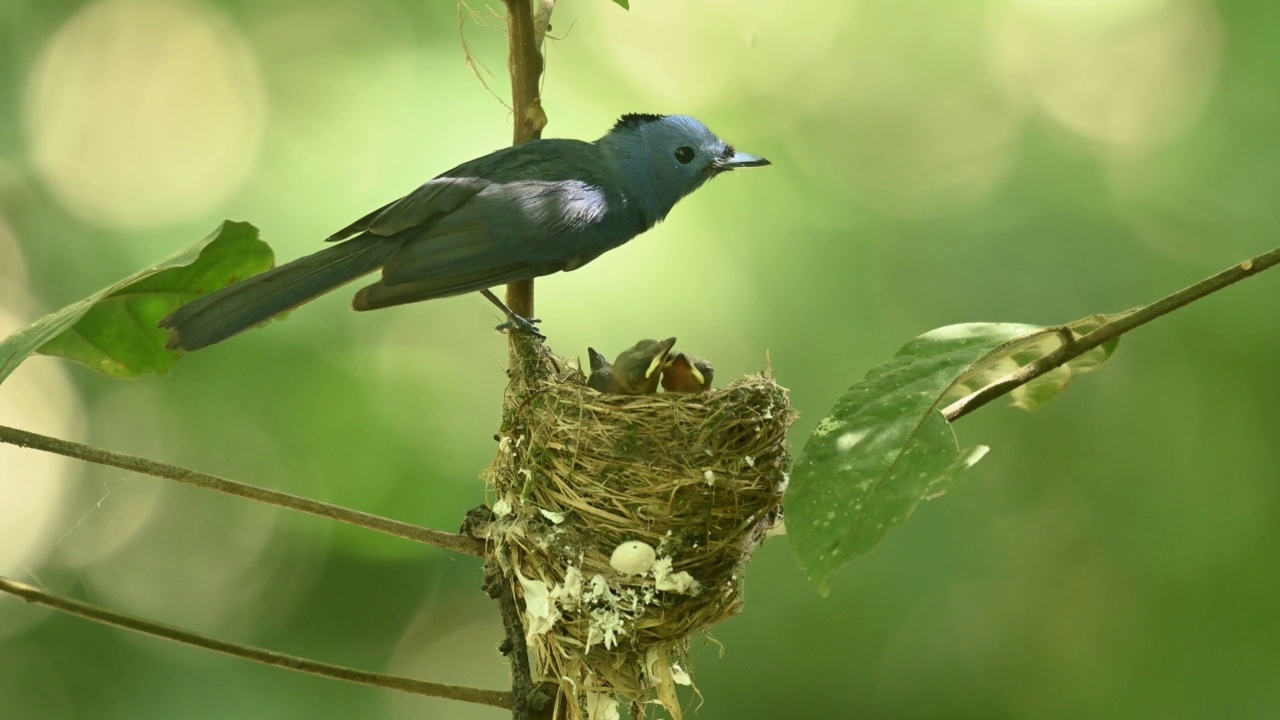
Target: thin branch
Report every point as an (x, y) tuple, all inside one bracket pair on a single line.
[(443, 540), (525, 65), (465, 11), (494, 698), (1109, 332), (515, 648)]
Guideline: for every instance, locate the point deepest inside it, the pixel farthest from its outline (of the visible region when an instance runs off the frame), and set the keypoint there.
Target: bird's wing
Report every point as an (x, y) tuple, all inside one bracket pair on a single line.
[(381, 295), (431, 200), (510, 231), (460, 247), (508, 216)]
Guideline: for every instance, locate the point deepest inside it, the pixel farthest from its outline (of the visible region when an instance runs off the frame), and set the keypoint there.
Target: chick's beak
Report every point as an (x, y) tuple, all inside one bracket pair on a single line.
[(743, 160), (596, 359), (660, 356)]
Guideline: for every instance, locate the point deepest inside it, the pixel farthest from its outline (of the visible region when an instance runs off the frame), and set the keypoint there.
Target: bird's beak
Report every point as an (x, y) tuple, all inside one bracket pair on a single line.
[(697, 374), (596, 360), (742, 160), (660, 359)]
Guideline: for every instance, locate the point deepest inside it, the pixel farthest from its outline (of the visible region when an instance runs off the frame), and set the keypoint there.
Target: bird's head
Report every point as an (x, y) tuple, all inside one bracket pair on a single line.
[(597, 359), (665, 157), (638, 369), (685, 373), (601, 377)]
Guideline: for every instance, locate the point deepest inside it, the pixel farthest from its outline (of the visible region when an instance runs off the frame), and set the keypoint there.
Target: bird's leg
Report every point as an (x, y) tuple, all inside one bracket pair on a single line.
[(514, 321)]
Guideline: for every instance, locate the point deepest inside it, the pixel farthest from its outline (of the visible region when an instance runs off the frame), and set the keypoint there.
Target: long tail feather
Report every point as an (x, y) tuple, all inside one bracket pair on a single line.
[(217, 316)]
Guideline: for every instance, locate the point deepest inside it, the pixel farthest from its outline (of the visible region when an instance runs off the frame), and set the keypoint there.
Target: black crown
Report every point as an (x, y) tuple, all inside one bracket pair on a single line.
[(634, 120)]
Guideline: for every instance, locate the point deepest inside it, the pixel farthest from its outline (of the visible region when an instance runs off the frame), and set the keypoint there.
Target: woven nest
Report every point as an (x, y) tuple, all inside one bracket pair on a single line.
[(697, 478)]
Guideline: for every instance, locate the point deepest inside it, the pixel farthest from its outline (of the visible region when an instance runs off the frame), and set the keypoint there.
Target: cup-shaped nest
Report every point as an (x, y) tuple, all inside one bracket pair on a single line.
[(623, 524)]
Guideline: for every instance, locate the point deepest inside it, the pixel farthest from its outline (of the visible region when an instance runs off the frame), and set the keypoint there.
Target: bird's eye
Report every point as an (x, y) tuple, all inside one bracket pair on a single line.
[(684, 154)]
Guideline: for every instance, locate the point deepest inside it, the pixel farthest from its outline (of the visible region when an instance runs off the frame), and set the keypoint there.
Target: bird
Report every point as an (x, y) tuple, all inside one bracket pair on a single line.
[(636, 371), (525, 211), (601, 377), (687, 374)]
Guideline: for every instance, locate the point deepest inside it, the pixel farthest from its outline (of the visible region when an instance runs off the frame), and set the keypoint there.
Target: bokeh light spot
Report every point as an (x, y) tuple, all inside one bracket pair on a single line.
[(34, 486), (140, 113), (677, 59), (1133, 84), (907, 133)]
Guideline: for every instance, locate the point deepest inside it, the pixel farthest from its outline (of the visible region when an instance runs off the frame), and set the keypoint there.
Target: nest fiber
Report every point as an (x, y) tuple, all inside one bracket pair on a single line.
[(675, 490)]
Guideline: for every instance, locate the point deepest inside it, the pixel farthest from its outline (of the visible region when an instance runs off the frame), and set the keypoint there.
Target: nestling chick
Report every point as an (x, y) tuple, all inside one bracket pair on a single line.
[(687, 374), (636, 371), (601, 376)]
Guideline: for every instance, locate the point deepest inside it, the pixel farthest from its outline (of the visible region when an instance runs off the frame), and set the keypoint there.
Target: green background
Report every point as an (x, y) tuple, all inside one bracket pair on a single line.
[(1115, 555)]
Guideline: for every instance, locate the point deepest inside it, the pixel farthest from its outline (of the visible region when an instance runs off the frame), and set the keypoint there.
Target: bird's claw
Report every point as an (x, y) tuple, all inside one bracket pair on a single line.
[(524, 325)]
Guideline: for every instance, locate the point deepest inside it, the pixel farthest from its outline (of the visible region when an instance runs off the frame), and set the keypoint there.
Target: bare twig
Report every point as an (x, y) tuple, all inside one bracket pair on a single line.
[(1110, 331), (525, 702), (525, 65), (464, 12), (494, 698), (443, 540)]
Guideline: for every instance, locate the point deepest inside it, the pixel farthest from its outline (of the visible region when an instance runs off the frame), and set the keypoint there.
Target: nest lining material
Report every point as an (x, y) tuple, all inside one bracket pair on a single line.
[(699, 478)]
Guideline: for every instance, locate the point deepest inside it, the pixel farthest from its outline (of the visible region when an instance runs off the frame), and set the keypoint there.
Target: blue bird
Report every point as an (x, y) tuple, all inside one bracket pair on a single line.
[(522, 212)]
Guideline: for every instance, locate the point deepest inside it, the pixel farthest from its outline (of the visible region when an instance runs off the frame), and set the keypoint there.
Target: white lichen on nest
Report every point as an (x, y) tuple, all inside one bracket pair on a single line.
[(695, 479)]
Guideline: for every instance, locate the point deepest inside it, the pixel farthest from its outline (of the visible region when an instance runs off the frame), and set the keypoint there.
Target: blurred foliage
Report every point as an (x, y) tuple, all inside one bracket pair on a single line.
[(934, 163), (114, 330)]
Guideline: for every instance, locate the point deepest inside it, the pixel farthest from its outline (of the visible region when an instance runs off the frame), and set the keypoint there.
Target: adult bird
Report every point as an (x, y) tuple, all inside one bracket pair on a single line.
[(522, 212)]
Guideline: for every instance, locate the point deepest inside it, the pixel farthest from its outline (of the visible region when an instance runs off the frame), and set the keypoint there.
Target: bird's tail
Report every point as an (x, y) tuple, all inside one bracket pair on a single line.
[(217, 316)]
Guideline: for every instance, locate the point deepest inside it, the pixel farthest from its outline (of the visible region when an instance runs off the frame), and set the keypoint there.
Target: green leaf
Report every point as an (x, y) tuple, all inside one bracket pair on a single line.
[(884, 447), (626, 4), (114, 330), (1026, 350)]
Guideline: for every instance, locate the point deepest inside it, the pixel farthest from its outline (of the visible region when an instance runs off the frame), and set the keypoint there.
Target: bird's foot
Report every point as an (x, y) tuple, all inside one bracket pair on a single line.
[(528, 326), (514, 322)]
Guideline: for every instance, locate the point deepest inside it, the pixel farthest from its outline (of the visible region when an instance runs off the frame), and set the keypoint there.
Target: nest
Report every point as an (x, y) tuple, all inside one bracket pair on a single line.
[(697, 478)]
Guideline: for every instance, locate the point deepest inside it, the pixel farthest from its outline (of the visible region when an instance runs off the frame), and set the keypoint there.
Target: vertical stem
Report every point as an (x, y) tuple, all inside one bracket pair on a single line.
[(523, 691), (525, 65)]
